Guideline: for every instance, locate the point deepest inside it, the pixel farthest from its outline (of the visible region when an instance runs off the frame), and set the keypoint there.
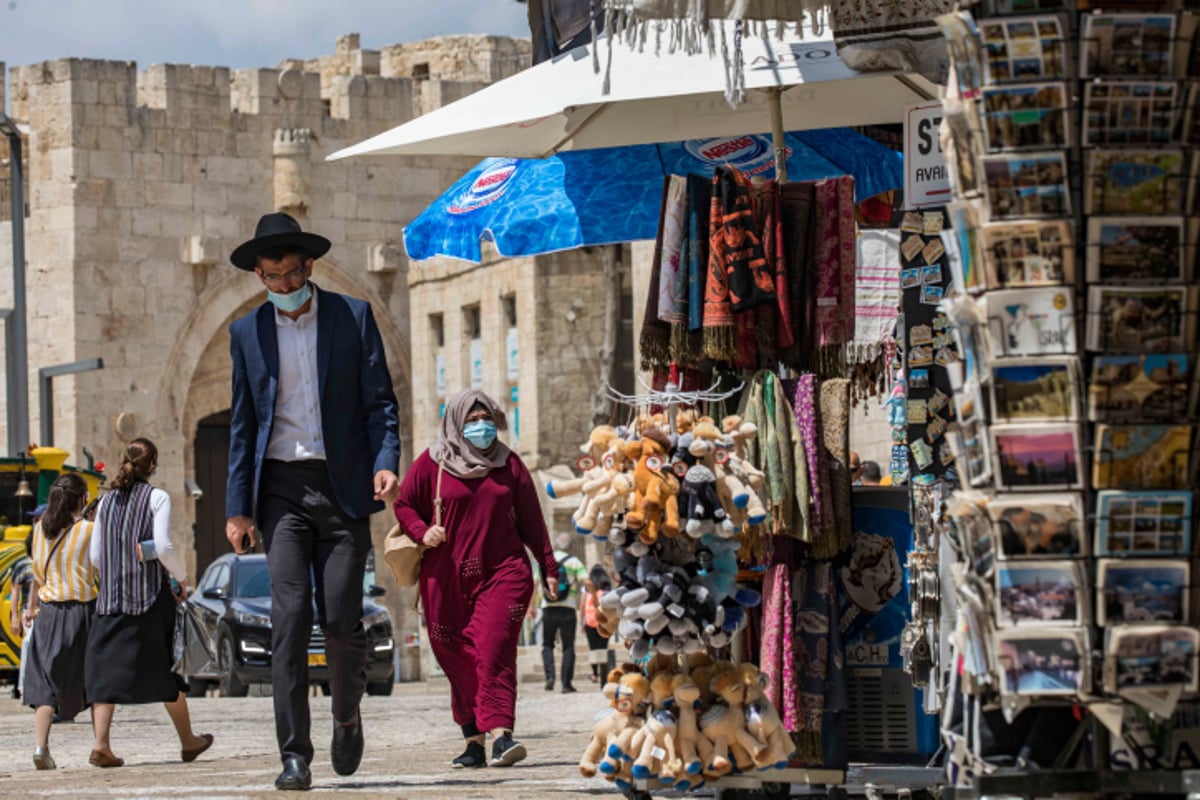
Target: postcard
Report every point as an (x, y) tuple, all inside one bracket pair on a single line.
[(1141, 590), (1122, 112), (1141, 320), (1133, 181), (1137, 249), (1025, 48), (1039, 525), (1043, 662), (965, 45), (1026, 322), (1139, 388), (1127, 45), (1149, 657), (1035, 389), (1141, 456), (973, 452), (1144, 523), (1042, 456), (1035, 185), (961, 149), (1029, 253), (1026, 116), (1040, 593)]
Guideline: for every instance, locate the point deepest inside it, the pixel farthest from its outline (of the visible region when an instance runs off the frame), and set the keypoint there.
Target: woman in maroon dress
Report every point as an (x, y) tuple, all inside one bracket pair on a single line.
[(476, 580)]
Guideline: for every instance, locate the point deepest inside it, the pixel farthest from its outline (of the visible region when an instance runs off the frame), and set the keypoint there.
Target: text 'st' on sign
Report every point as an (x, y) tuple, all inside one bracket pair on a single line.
[(926, 179)]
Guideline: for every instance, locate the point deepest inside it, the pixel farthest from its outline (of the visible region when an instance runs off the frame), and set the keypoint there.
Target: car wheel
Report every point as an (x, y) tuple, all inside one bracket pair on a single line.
[(230, 685), (381, 689), (198, 687)]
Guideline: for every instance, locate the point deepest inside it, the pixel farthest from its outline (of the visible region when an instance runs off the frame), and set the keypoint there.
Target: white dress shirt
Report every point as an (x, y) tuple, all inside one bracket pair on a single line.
[(296, 433), (164, 548)]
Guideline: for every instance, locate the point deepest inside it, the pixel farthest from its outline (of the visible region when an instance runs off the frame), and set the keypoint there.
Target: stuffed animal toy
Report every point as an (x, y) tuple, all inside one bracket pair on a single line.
[(630, 697), (595, 481), (655, 507), (606, 728), (737, 433), (704, 510), (654, 743), (763, 722), (686, 695), (725, 724), (607, 503)]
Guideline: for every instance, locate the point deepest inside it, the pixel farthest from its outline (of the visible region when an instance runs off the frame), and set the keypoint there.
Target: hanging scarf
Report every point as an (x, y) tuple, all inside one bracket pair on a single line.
[(876, 307), (699, 206), (655, 339), (819, 658), (672, 284), (778, 656), (750, 281), (835, 428), (798, 202), (719, 342), (808, 420), (772, 316), (835, 249), (779, 452)]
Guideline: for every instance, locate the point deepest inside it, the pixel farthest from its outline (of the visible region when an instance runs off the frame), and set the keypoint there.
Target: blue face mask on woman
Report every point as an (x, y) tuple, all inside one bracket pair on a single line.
[(481, 433), (292, 301)]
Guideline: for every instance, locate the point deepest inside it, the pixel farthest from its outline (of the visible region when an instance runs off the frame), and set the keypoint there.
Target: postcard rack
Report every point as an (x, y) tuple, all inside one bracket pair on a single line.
[(1075, 229)]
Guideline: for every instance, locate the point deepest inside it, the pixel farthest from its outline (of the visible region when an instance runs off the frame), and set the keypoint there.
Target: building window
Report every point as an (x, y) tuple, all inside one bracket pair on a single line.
[(437, 331), (512, 368), (473, 332), (420, 72)]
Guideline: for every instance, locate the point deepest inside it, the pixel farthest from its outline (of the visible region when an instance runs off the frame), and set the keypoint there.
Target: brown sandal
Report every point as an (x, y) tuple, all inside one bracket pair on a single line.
[(193, 754), (105, 760)]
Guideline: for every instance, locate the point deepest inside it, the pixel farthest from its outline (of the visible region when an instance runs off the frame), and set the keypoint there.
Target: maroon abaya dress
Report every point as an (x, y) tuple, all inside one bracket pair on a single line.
[(476, 586)]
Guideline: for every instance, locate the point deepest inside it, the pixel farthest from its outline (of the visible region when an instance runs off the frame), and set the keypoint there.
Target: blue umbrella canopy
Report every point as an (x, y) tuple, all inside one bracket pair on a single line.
[(581, 198)]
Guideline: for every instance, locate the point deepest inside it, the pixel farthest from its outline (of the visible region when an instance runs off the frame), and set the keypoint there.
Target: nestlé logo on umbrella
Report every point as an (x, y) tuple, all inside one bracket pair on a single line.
[(751, 154), (487, 188)]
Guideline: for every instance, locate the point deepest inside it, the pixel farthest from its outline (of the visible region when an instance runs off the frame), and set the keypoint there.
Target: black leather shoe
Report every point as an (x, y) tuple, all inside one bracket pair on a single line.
[(295, 776), (347, 748)]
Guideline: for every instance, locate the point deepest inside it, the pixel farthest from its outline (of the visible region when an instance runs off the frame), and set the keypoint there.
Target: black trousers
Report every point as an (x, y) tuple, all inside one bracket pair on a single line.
[(559, 622), (312, 545)]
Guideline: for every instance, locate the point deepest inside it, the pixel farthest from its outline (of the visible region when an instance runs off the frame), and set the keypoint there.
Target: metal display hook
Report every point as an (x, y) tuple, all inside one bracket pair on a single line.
[(671, 397)]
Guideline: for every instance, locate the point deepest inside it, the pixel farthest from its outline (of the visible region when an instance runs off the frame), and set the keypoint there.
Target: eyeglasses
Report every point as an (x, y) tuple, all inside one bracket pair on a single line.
[(285, 279)]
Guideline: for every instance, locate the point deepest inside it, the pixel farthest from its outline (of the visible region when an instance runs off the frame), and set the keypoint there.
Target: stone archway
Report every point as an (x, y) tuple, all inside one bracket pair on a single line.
[(196, 379)]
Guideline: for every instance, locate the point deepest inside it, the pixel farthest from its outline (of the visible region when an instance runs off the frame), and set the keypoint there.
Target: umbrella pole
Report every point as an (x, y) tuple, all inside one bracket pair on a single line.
[(775, 101)]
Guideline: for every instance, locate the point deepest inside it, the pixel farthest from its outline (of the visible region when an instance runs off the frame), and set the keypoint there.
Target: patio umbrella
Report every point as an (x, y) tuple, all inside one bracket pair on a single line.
[(610, 195), (561, 104)]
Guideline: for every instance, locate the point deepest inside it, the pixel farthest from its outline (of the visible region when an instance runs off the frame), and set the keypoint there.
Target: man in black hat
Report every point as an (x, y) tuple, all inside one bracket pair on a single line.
[(314, 448)]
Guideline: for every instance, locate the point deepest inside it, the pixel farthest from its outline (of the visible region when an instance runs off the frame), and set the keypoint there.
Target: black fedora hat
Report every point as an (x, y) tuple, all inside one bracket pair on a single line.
[(277, 230)]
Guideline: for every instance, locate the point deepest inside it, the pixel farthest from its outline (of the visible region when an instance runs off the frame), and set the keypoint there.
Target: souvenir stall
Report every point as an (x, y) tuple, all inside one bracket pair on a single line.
[(1073, 138)]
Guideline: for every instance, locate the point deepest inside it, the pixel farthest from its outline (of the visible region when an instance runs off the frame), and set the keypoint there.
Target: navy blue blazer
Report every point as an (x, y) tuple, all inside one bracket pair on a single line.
[(359, 422)]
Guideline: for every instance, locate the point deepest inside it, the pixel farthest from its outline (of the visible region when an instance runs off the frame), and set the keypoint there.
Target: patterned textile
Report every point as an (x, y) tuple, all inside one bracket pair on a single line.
[(750, 280), (797, 202), (719, 340), (819, 656), (835, 428), (782, 334), (655, 339), (809, 421), (672, 284), (874, 35), (127, 585), (699, 206), (834, 256), (877, 293), (778, 657), (779, 453)]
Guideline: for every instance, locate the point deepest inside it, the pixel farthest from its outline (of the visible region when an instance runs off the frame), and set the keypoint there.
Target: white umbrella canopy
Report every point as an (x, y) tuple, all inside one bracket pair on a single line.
[(560, 104)]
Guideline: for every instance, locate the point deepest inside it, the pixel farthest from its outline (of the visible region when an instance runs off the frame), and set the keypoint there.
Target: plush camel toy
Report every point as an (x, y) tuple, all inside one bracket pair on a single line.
[(655, 742), (763, 722), (655, 507), (630, 696), (686, 695), (594, 479), (725, 724), (737, 434)]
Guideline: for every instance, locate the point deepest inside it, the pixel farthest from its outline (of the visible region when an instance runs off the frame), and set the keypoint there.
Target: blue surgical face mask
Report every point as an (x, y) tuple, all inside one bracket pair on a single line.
[(292, 301), (481, 433)]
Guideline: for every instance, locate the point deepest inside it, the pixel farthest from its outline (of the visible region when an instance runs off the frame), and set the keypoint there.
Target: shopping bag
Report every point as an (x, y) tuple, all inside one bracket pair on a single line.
[(403, 553), (191, 652)]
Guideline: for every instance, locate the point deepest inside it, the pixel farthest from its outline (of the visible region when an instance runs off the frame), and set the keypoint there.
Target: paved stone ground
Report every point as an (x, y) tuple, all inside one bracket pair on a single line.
[(410, 740)]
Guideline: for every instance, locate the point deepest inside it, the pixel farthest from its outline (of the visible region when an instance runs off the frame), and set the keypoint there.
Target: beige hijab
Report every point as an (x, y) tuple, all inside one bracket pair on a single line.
[(461, 458)]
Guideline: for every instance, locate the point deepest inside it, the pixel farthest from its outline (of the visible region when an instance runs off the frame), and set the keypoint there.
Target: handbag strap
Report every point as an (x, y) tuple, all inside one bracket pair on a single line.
[(53, 548), (437, 500)]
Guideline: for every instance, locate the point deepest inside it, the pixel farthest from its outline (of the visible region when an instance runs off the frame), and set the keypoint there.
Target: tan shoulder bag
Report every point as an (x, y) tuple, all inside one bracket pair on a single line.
[(403, 553)]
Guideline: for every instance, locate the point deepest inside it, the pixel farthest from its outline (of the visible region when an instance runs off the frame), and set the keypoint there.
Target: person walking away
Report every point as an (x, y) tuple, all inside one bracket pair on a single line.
[(601, 657), (313, 452), (131, 652), (476, 579), (63, 571), (559, 617)]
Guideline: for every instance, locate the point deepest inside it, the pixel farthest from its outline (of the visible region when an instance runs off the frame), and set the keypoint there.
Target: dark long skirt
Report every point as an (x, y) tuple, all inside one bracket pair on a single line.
[(54, 675), (131, 656)]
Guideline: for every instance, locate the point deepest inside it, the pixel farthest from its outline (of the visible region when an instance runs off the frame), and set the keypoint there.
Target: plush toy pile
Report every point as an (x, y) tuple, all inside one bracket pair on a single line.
[(683, 727)]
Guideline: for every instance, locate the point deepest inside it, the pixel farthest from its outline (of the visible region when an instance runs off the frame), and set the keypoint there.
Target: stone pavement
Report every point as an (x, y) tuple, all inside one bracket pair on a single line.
[(410, 740)]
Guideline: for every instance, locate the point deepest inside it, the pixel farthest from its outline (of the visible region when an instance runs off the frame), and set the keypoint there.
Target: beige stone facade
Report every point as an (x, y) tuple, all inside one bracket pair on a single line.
[(142, 182)]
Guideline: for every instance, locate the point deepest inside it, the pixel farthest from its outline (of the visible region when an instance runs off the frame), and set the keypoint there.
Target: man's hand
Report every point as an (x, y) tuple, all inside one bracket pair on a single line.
[(551, 587), (434, 535), (237, 529), (182, 594), (387, 485)]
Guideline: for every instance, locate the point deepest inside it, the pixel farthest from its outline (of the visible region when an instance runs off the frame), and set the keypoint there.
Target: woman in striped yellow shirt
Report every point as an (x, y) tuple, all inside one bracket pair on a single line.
[(66, 597)]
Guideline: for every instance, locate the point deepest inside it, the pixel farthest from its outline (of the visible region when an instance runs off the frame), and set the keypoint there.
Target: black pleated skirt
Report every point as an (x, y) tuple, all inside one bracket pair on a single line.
[(54, 675), (131, 656)]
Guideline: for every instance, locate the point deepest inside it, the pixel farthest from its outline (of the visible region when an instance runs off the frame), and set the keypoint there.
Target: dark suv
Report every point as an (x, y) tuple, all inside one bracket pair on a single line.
[(231, 610)]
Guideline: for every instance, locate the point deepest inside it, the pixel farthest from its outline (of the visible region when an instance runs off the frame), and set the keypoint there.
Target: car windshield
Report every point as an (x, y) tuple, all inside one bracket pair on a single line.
[(253, 579)]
